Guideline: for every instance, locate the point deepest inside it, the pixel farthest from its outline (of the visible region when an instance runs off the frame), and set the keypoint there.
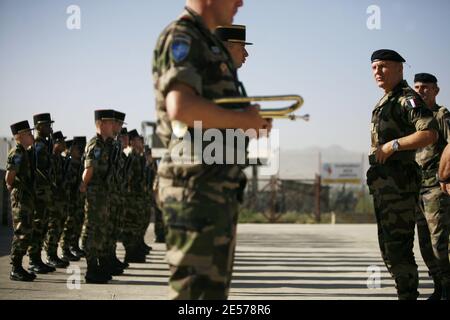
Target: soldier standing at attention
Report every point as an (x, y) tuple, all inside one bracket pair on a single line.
[(401, 124), (134, 220), (96, 178), (432, 221), (20, 183), (43, 148), (191, 69), (59, 214)]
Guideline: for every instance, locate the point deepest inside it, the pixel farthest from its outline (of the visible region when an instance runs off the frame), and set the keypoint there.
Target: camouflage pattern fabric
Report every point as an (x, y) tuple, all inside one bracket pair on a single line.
[(434, 211), (97, 205), (60, 205), (44, 195), (395, 185), (22, 201), (198, 200)]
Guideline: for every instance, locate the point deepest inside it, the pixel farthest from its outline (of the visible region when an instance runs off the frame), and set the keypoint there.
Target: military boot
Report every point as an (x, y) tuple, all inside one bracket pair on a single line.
[(134, 256), (116, 262), (76, 251), (437, 294), (18, 273), (68, 256), (93, 275), (54, 261), (37, 266)]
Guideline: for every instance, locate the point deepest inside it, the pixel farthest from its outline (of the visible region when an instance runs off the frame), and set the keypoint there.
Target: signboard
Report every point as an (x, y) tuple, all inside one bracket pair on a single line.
[(348, 173), (5, 146)]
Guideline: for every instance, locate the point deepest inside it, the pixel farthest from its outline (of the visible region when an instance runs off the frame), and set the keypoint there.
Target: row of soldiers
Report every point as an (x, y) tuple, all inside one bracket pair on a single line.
[(64, 191)]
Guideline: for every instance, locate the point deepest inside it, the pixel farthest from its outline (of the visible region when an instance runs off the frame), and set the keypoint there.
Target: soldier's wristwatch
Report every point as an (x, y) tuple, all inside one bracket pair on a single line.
[(395, 145)]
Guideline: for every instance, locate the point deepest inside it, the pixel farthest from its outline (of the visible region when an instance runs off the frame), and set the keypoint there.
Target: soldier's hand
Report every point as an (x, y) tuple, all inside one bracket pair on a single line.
[(255, 122), (384, 152), (83, 187), (445, 187)]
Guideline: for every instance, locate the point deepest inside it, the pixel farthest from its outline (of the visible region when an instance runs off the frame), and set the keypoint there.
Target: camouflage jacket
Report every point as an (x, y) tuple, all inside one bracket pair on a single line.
[(187, 52), (43, 158), (98, 156), (21, 162), (59, 176), (136, 174), (399, 113), (73, 172), (428, 158)]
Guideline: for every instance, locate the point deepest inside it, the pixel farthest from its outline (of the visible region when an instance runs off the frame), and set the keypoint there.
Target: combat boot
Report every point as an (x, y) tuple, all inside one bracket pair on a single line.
[(108, 268), (134, 256), (68, 256), (92, 273), (76, 251), (116, 262), (54, 261), (437, 294), (18, 273), (37, 266)]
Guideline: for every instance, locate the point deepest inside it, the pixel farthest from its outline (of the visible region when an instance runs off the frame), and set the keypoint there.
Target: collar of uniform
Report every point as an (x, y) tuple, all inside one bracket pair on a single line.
[(402, 84), (435, 108), (195, 16)]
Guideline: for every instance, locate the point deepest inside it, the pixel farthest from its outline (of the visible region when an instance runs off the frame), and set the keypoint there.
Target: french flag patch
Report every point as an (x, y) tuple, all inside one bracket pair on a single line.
[(412, 103)]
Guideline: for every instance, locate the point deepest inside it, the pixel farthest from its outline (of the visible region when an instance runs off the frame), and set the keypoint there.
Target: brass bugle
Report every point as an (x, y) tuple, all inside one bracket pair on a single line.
[(276, 113), (179, 128)]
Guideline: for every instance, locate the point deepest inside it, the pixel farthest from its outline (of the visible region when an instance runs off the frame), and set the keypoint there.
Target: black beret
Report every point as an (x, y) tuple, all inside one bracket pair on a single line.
[(20, 127), (386, 54), (58, 136), (133, 134), (42, 118), (119, 116), (233, 33), (425, 78), (105, 115)]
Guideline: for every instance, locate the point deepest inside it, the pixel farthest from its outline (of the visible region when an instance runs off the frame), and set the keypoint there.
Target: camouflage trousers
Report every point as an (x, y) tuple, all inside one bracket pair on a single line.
[(56, 223), (201, 239), (113, 225), (395, 214), (73, 226), (433, 232), (43, 210), (134, 221), (22, 207), (95, 230), (159, 222)]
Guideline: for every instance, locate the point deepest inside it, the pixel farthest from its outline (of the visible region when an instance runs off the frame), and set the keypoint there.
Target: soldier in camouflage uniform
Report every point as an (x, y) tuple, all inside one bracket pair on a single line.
[(116, 267), (432, 218), (74, 223), (123, 174), (59, 214), (444, 170), (96, 178), (191, 69), (20, 181), (43, 148), (71, 168), (135, 215), (401, 123)]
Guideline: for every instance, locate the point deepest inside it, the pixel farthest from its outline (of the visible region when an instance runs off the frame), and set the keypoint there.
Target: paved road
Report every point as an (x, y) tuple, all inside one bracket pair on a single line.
[(273, 262)]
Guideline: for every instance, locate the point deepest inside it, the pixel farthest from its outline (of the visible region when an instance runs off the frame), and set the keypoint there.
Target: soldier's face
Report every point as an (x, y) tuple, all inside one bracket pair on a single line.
[(107, 128), (387, 74), (117, 127), (428, 92), (125, 141), (26, 139), (238, 53), (225, 10), (75, 153), (45, 129)]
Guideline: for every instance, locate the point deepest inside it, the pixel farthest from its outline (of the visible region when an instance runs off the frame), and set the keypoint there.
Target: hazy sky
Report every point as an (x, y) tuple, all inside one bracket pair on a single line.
[(318, 49)]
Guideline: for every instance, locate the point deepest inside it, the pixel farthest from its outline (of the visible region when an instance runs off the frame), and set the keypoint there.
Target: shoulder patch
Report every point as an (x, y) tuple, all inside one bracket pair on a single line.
[(17, 159), (39, 146), (97, 153), (180, 47), (412, 102)]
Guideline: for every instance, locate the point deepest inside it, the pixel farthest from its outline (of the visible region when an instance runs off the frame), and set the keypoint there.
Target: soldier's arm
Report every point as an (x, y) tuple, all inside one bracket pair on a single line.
[(9, 179), (86, 179), (444, 169)]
